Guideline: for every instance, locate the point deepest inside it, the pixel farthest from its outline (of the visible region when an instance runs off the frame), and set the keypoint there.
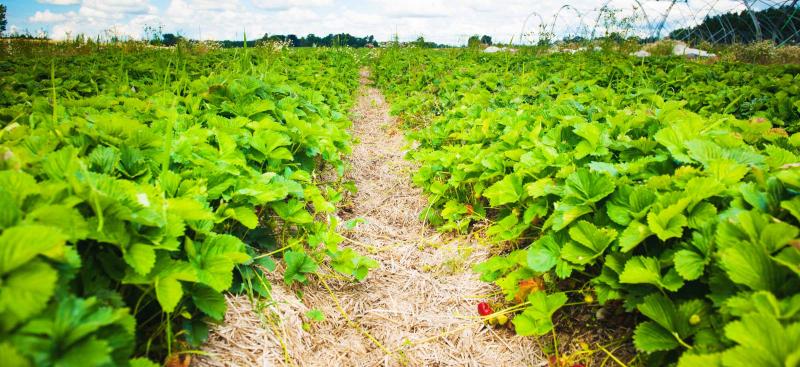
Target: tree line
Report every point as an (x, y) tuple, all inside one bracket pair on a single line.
[(779, 24), (311, 40)]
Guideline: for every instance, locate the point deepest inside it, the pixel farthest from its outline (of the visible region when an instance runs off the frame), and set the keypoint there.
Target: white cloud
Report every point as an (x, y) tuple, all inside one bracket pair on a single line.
[(49, 17), (286, 4), (443, 21), (59, 2), (116, 9), (416, 9)]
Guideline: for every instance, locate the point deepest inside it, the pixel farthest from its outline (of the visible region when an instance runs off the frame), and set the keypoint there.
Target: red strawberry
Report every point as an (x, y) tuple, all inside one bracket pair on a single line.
[(484, 309), (578, 365)]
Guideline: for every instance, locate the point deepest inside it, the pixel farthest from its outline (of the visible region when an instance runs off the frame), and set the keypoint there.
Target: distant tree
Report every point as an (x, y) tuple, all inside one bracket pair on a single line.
[(294, 40), (779, 24), (170, 39), (486, 40), (330, 40), (3, 21), (474, 41), (312, 40)]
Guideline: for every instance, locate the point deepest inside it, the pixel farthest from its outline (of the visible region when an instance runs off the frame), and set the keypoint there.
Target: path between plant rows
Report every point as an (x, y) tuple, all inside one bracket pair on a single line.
[(419, 306)]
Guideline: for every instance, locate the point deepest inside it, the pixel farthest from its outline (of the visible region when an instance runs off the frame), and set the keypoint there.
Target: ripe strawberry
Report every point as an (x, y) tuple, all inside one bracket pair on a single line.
[(578, 365), (484, 309)]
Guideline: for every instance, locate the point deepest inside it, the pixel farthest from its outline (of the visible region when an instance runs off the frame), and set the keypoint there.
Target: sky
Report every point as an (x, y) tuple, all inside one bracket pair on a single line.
[(441, 21)]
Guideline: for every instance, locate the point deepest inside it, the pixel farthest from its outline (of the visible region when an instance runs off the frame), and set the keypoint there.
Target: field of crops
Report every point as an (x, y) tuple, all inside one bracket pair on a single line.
[(138, 186), (669, 187)]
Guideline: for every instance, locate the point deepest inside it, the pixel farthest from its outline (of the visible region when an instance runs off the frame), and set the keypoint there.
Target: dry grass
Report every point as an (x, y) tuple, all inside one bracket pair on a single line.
[(411, 311)]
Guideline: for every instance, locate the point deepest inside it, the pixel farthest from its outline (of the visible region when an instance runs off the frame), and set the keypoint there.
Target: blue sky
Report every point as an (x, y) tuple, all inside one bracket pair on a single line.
[(444, 21)]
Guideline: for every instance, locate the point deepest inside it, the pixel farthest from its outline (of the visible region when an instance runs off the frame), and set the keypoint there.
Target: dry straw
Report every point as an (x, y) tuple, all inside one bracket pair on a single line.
[(412, 311)]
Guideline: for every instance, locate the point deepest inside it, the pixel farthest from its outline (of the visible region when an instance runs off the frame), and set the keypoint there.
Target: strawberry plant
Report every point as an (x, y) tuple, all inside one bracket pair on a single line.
[(678, 200), (136, 188)]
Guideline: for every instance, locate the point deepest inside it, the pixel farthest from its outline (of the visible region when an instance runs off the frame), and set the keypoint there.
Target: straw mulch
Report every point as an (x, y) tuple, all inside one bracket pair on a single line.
[(417, 309)]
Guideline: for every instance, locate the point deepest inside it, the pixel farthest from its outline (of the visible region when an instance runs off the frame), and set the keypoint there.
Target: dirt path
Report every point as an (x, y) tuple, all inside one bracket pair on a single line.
[(417, 309)]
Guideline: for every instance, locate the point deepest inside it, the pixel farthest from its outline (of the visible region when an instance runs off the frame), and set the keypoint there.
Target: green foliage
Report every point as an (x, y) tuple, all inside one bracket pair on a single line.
[(536, 319), (146, 190), (3, 20), (678, 199)]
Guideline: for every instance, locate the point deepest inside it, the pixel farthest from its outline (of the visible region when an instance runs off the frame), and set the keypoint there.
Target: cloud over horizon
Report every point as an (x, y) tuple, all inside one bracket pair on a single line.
[(440, 21)]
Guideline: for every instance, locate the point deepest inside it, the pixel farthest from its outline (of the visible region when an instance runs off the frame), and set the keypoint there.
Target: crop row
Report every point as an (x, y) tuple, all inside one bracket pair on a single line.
[(136, 188), (670, 186)]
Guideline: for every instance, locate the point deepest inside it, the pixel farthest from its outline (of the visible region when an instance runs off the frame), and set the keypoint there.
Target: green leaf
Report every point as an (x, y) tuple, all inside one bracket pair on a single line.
[(20, 244), (245, 215), (272, 144), (507, 190), (668, 222), (349, 262), (216, 258), (297, 265), (143, 362), (633, 236), (189, 209), (293, 211), (64, 218), (543, 254), (536, 319), (649, 337), (647, 270), (629, 204), (587, 186), (564, 214), (775, 236), (792, 206), (211, 302), (508, 228), (315, 315), (168, 292), (727, 171), (748, 264), (705, 360), (762, 302), (265, 193), (762, 341), (19, 184), (195, 331), (25, 292), (702, 215), (12, 357), (11, 212), (689, 264), (88, 352), (539, 187), (660, 309), (141, 257), (589, 242), (790, 258)]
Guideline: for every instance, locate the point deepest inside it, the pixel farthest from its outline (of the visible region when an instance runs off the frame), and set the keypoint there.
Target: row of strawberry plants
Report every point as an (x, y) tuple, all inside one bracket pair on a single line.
[(690, 220), (136, 188), (744, 91)]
